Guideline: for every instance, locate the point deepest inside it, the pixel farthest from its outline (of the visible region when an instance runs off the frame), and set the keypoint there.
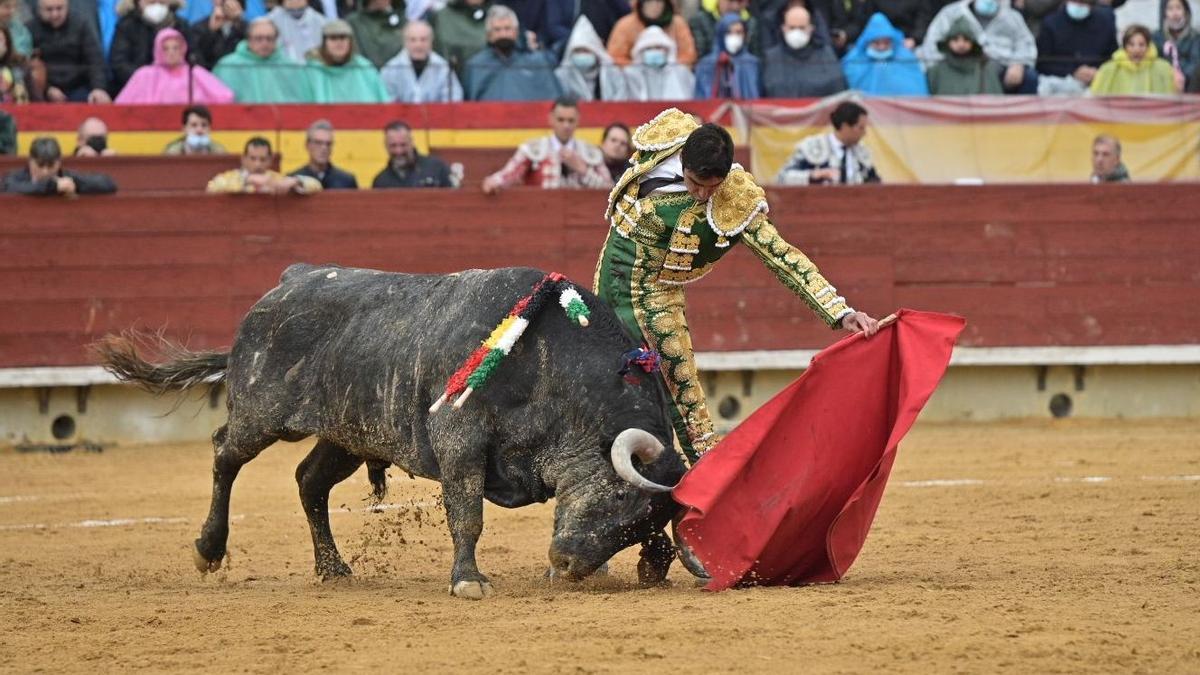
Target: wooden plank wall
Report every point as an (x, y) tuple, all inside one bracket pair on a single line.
[(1027, 265)]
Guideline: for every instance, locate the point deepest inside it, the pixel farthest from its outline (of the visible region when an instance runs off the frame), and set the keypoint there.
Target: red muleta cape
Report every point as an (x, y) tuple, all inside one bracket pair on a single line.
[(788, 497)]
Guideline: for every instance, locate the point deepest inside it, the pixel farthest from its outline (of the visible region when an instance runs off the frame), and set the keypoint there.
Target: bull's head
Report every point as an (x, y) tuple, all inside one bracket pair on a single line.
[(615, 507)]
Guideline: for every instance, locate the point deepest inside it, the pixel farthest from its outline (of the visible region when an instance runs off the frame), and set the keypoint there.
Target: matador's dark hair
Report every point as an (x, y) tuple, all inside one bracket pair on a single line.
[(708, 152)]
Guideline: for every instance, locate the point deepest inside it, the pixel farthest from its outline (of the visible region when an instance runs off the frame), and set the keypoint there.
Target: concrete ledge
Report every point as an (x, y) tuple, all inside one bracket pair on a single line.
[(787, 359), (792, 359)]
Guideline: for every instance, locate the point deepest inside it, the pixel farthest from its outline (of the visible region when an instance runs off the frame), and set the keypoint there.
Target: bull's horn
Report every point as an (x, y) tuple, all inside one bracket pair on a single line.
[(647, 448), (689, 559)]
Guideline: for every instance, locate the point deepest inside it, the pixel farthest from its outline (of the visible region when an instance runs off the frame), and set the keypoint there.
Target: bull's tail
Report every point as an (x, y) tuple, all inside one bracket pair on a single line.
[(180, 370), (479, 366)]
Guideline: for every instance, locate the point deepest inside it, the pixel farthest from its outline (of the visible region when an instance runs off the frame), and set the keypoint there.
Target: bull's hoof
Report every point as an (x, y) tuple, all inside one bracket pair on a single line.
[(471, 590), (651, 572), (334, 571), (204, 565)]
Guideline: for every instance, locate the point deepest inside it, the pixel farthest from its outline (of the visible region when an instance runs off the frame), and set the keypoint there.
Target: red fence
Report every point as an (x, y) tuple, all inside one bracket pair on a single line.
[(1078, 265)]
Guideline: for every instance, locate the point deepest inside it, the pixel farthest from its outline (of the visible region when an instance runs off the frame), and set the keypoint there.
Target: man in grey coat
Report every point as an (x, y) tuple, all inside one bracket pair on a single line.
[(801, 65), (418, 74)]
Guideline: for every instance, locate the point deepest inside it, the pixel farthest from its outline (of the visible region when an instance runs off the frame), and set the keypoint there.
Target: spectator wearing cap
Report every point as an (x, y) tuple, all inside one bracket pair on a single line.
[(75, 67), (557, 161), (879, 63), (197, 134), (134, 42), (219, 33), (587, 72), (1135, 68), (965, 70), (45, 175), (1072, 44), (318, 141), (1177, 41), (256, 176), (504, 73), (406, 167), (299, 28), (646, 13), (802, 65), (1107, 166), (837, 158), (418, 74), (338, 74), (378, 26), (655, 74), (1002, 32), (171, 79), (258, 72), (730, 70), (91, 139)]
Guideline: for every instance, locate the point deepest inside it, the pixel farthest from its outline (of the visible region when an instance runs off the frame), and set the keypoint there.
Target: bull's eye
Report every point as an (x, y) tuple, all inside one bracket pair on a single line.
[(620, 495)]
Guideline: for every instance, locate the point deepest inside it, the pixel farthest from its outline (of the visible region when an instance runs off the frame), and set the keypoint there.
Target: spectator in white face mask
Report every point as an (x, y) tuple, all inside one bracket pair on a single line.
[(729, 70), (802, 65), (655, 74), (587, 71), (197, 134)]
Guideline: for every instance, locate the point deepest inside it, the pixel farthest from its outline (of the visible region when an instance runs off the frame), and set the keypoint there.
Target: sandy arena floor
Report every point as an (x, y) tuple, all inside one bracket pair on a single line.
[(1023, 548)]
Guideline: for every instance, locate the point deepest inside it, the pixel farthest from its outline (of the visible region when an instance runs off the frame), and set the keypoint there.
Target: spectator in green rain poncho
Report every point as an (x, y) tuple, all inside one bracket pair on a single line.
[(258, 72)]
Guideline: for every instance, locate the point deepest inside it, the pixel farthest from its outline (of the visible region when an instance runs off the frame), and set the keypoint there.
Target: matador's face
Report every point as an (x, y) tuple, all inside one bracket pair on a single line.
[(701, 188)]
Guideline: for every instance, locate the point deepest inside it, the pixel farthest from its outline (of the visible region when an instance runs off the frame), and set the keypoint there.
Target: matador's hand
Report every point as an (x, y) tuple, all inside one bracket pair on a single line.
[(860, 322)]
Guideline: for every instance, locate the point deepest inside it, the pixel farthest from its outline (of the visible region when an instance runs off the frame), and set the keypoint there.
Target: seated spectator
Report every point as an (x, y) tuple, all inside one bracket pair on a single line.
[(771, 13), (256, 175), (647, 13), (75, 67), (8, 134), (1177, 41), (406, 167), (91, 139), (299, 28), (615, 146), (1071, 45), (45, 175), (603, 14), (655, 74), (965, 70), (459, 31), (880, 65), (502, 72), (14, 77), (1134, 69), (338, 74), (377, 29), (730, 70), (170, 79), (556, 161), (703, 24), (133, 44), (20, 41), (838, 158), (318, 140), (910, 17), (802, 65), (587, 72), (219, 33), (1107, 166), (418, 74), (197, 134), (258, 72), (1002, 32)]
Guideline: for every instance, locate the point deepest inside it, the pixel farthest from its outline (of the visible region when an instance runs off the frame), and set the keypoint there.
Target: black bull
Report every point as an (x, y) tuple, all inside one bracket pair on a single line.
[(356, 357)]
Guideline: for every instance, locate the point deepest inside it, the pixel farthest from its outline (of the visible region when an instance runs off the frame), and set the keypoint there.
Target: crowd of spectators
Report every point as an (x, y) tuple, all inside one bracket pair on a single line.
[(370, 51)]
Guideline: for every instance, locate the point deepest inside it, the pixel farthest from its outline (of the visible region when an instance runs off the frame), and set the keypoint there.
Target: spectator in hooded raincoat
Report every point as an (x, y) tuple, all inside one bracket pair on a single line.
[(729, 70), (646, 13), (966, 70), (170, 79), (1135, 68), (655, 74), (879, 64), (338, 74), (378, 26), (587, 71)]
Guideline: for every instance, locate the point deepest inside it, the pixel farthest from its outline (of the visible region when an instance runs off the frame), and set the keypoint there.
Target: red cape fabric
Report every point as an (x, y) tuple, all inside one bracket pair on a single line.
[(788, 497)]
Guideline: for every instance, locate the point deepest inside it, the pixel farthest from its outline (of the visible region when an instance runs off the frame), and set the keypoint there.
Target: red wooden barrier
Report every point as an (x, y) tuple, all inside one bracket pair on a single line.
[(1027, 265)]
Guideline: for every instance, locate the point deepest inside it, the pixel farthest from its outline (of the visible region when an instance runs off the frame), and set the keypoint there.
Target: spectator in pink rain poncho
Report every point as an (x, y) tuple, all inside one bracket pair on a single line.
[(168, 79)]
